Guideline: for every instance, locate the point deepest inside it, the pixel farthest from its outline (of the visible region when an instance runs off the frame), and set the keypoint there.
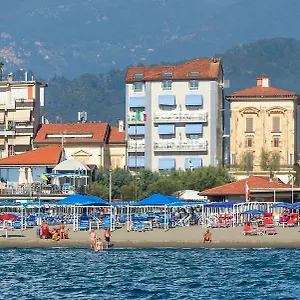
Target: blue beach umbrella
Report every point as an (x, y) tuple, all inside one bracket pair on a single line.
[(282, 205), (253, 212)]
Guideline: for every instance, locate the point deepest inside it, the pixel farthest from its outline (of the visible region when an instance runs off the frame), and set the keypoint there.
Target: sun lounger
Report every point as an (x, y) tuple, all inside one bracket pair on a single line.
[(268, 222), (290, 223), (271, 231)]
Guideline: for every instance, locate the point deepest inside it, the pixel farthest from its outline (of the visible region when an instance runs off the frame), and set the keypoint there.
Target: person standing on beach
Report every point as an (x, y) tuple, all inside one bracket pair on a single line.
[(93, 237), (62, 230), (107, 236), (99, 245)]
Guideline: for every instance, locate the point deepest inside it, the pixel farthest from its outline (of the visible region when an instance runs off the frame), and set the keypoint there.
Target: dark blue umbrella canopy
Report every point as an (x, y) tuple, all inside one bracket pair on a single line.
[(253, 212), (282, 205)]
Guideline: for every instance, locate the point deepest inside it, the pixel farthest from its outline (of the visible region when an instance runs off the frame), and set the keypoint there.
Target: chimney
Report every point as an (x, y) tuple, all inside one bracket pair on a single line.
[(214, 60), (121, 125), (26, 76), (259, 81), (10, 77), (265, 81)]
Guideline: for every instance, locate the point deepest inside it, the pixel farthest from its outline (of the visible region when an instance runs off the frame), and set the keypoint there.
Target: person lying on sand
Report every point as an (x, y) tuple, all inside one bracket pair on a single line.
[(207, 236)]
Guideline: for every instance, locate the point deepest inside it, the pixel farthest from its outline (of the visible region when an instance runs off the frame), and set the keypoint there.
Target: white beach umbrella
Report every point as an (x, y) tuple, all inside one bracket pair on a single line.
[(55, 180), (22, 177), (29, 176)]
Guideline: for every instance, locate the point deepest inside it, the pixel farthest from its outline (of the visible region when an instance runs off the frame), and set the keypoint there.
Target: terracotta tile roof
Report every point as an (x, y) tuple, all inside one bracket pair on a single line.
[(97, 130), (208, 68), (115, 136), (45, 156), (239, 187), (258, 91)]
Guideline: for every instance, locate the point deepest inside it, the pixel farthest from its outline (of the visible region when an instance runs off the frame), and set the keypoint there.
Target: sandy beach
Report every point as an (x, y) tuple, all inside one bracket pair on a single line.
[(180, 237)]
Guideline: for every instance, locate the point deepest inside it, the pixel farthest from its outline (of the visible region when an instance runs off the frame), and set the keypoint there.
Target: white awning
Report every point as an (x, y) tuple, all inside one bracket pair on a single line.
[(22, 140), (22, 115)]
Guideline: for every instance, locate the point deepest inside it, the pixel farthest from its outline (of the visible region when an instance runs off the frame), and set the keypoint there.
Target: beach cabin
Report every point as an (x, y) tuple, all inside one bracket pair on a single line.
[(254, 189)]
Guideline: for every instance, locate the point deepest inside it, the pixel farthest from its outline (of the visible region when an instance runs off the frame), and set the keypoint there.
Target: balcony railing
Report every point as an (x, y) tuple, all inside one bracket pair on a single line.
[(138, 146), (131, 118), (182, 116), (177, 145), (7, 130)]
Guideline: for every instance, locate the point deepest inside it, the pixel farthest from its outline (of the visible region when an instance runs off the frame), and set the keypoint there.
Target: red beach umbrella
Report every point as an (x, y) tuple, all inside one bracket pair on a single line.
[(7, 217)]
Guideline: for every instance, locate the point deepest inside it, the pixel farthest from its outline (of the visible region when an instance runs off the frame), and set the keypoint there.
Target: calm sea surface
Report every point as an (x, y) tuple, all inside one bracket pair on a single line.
[(62, 273)]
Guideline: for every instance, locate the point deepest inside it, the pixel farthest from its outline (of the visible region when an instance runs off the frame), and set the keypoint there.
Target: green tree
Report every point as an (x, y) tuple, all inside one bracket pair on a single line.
[(264, 160), (98, 189), (246, 162)]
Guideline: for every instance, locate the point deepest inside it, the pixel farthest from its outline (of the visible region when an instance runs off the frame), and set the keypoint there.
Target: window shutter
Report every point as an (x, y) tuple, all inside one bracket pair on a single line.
[(276, 124), (249, 125)]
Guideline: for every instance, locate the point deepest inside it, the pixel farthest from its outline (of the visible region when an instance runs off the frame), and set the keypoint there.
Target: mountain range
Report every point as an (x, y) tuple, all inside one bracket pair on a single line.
[(72, 37)]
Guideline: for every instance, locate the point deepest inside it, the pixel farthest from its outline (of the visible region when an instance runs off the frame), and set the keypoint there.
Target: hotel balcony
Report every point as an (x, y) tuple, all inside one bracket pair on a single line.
[(177, 145), (180, 116), (136, 146), (131, 118), (7, 130)]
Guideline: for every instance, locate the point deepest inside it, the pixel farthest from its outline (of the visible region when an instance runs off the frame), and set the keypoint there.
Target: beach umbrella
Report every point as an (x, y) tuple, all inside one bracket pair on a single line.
[(8, 217), (29, 176), (253, 212), (282, 205), (22, 177)]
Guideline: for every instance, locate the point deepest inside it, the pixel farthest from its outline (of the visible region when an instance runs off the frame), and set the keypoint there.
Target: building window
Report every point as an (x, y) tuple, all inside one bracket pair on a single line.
[(11, 150), (138, 86), (249, 142), (167, 84), (233, 158), (167, 74), (194, 84), (276, 141), (249, 124), (276, 124), (138, 76)]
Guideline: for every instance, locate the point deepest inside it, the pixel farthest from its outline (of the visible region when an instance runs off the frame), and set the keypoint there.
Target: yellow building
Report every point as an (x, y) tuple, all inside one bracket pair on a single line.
[(263, 119)]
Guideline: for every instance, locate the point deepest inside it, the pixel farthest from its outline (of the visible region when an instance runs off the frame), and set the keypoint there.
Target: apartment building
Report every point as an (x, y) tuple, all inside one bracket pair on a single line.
[(263, 118), (97, 145), (175, 115), (21, 112)]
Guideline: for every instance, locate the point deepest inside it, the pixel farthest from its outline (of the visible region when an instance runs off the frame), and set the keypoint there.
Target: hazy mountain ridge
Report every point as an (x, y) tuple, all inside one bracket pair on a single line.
[(72, 37)]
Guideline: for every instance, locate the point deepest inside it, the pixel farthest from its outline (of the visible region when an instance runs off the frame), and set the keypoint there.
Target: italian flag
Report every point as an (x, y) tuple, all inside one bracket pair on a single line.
[(140, 115)]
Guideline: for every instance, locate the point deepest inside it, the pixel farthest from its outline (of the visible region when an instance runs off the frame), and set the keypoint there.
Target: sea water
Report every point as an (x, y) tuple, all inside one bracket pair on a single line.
[(64, 273)]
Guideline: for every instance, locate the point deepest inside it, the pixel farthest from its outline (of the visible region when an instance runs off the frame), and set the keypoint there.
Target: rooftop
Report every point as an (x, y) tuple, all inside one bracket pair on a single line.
[(200, 68), (72, 133), (239, 187), (116, 136), (262, 90), (46, 156)]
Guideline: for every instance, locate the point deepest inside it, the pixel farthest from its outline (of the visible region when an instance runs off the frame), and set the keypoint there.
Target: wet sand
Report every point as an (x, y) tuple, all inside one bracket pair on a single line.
[(181, 237)]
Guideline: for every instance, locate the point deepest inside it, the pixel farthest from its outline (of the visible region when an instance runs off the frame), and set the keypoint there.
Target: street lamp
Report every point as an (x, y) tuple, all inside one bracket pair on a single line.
[(110, 185)]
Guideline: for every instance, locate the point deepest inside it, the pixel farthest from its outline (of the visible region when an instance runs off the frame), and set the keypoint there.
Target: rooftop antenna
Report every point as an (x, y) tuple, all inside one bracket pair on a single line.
[(82, 117), (1, 70)]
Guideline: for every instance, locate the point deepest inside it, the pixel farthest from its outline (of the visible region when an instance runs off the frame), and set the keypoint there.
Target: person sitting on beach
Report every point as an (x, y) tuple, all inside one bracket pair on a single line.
[(207, 236), (62, 230), (93, 237), (107, 236), (99, 245), (55, 236)]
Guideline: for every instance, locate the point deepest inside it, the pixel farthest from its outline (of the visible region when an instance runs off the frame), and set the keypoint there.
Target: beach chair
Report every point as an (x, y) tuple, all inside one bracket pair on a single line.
[(84, 223), (268, 222), (271, 231), (290, 222)]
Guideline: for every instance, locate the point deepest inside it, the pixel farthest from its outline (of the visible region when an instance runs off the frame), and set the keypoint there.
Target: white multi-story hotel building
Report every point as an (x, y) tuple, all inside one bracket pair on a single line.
[(21, 112), (184, 115)]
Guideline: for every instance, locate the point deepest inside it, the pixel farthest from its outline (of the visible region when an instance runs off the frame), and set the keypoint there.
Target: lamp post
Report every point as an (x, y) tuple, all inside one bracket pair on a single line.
[(110, 185)]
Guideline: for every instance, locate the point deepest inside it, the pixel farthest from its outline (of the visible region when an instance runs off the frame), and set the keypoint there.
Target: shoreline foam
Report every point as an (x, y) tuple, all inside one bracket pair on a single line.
[(183, 237)]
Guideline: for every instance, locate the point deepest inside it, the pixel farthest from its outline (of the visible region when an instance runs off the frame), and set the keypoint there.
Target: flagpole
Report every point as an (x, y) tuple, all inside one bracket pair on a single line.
[(135, 180)]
